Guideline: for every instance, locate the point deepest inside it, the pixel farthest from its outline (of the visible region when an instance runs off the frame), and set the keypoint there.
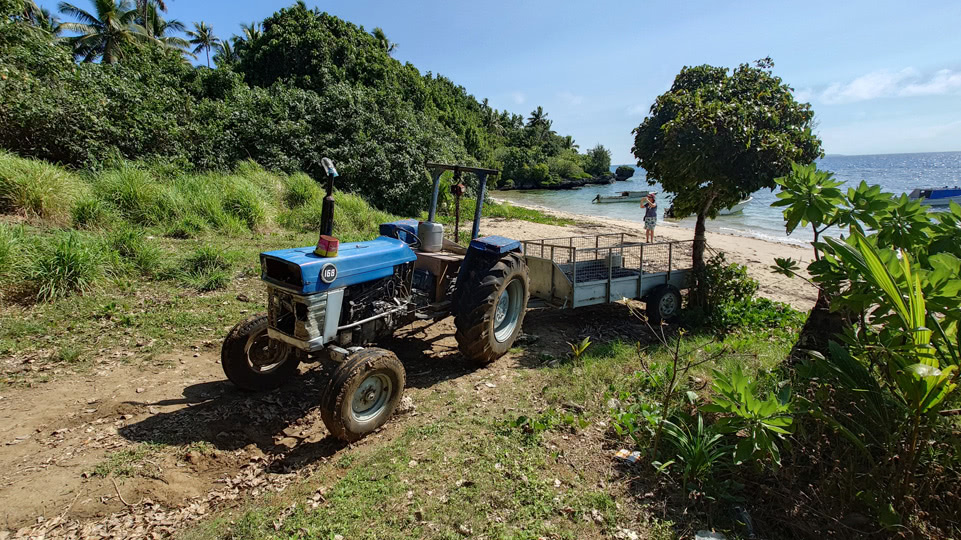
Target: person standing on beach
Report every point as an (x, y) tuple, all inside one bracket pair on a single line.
[(650, 217)]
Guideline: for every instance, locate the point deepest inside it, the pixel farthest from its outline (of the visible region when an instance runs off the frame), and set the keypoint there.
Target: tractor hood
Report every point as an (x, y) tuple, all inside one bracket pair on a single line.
[(300, 271)]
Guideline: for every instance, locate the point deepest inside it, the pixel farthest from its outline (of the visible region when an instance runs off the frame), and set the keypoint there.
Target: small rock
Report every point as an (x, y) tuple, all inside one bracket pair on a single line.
[(153, 410), (613, 404), (464, 530), (709, 535), (141, 390), (557, 483), (193, 457), (196, 355), (243, 297), (405, 406), (412, 463), (626, 534), (490, 385)]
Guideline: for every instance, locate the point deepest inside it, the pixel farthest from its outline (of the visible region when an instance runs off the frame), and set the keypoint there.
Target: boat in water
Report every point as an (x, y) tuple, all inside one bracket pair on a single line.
[(736, 208), (942, 196), (623, 196)]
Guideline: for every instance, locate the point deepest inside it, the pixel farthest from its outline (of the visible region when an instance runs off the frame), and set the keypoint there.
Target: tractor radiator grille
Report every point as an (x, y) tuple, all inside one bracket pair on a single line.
[(301, 317)]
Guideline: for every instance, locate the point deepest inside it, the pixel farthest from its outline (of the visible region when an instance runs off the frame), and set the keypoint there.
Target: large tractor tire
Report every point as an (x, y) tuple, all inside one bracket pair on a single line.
[(364, 391), (253, 361), (491, 310), (663, 304)]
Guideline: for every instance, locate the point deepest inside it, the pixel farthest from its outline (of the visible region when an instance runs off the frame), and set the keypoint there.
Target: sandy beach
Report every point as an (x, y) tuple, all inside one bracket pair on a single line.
[(758, 255)]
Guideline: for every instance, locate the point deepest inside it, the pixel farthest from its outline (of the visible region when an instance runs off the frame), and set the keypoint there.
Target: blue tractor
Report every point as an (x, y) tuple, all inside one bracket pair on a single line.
[(332, 309)]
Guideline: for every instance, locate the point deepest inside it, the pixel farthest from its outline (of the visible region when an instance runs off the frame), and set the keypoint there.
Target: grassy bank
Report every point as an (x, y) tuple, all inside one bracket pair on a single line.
[(146, 258)]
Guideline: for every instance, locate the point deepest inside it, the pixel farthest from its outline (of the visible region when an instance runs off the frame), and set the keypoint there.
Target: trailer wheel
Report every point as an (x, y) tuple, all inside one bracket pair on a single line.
[(663, 304), (364, 391), (490, 313), (253, 361)]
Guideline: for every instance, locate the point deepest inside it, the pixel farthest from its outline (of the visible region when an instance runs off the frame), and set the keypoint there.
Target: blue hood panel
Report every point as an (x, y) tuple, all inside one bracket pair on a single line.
[(356, 262)]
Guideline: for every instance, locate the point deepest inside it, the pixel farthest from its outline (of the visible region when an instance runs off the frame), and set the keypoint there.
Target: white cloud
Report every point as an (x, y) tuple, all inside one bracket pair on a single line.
[(519, 97), (638, 110), (944, 81), (886, 83), (571, 99)]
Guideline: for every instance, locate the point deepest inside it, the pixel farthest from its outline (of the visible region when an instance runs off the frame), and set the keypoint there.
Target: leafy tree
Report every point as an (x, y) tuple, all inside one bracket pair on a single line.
[(107, 33), (598, 161), (226, 55), (203, 39), (715, 137)]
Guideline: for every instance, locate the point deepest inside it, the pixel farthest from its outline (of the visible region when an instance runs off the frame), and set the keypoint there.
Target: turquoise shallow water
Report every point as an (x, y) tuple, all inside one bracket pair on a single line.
[(897, 173)]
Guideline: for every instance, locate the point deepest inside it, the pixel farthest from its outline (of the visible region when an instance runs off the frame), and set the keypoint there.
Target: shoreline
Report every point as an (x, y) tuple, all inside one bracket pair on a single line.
[(756, 254)]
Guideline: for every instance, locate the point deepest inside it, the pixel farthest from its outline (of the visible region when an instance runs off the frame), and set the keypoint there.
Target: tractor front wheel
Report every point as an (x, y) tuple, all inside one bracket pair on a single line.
[(364, 391), (253, 361), (491, 310)]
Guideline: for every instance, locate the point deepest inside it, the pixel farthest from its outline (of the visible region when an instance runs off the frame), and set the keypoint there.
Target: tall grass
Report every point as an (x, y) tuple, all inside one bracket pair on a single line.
[(354, 218), (65, 264), (301, 190), (37, 189), (129, 249), (136, 195), (10, 250)]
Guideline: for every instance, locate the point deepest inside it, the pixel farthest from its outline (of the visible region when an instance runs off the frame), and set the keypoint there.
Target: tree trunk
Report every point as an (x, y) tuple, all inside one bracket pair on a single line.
[(819, 329), (697, 297)]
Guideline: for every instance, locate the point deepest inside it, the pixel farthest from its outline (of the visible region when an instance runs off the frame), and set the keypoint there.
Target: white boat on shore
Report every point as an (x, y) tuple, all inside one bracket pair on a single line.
[(624, 196), (736, 208), (942, 196)]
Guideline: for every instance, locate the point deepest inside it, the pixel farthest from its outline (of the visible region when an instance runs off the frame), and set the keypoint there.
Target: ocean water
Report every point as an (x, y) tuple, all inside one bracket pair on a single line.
[(896, 173)]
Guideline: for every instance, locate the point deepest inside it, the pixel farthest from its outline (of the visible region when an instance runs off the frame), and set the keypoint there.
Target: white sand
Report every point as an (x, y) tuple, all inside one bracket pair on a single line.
[(758, 255)]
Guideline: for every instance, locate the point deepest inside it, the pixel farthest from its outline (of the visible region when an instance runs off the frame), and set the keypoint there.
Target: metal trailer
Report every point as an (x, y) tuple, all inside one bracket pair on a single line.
[(581, 271)]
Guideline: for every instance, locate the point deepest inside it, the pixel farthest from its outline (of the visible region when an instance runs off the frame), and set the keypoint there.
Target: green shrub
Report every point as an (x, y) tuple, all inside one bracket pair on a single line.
[(188, 226), (36, 189), (129, 247), (301, 190), (245, 202), (205, 259), (90, 212), (206, 269), (136, 195), (10, 249), (65, 264)]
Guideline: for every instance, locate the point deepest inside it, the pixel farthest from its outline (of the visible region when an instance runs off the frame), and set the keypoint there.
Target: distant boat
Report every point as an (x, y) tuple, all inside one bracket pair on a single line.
[(624, 196), (942, 196), (736, 208)]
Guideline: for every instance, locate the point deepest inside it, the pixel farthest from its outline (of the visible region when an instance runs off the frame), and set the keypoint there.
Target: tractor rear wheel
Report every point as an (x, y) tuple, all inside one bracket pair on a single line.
[(253, 361), (490, 312), (364, 391)]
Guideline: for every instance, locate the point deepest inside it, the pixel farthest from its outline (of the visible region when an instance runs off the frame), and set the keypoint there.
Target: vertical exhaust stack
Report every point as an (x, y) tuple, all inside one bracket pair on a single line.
[(326, 244)]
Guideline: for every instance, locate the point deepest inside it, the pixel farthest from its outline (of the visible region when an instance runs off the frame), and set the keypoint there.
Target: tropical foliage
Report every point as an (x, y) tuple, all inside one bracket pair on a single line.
[(286, 91), (717, 136)]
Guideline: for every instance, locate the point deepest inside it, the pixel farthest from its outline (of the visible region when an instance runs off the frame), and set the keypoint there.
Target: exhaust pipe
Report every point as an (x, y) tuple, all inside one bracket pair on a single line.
[(327, 211)]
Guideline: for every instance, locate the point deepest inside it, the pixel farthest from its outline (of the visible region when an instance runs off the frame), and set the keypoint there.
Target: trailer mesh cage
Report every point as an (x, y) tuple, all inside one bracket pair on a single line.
[(610, 256)]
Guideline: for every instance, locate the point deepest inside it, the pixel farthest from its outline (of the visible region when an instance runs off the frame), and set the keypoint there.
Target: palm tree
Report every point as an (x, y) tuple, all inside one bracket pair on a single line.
[(227, 53), (250, 31), (203, 37), (538, 117), (381, 38), (144, 8), (569, 143), (104, 34), (43, 19), (162, 30)]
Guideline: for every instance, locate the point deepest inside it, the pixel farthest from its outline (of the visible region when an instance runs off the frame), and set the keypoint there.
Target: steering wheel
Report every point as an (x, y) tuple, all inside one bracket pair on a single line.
[(407, 235)]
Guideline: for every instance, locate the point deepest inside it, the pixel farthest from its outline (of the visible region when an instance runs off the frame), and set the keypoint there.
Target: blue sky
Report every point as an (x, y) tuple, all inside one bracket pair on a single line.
[(883, 76)]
